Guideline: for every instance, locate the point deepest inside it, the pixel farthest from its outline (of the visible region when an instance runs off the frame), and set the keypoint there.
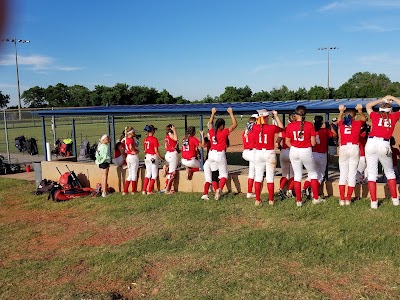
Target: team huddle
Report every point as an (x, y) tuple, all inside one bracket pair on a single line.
[(301, 143)]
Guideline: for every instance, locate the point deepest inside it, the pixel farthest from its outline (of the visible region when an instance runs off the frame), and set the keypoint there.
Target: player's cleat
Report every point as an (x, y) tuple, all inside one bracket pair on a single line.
[(123, 193), (217, 194), (258, 203), (144, 192), (289, 194), (342, 203), (205, 197), (162, 191), (271, 202), (282, 194), (299, 203), (250, 195), (309, 192), (347, 202), (395, 201), (374, 204), (318, 201), (303, 193)]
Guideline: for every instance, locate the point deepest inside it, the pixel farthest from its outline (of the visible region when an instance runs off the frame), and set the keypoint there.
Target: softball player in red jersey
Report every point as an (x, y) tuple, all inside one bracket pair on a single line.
[(320, 150), (362, 173), (377, 148), (249, 150), (152, 155), (171, 156), (349, 151), (190, 148), (286, 166), (218, 136), (300, 137), (265, 158), (132, 160)]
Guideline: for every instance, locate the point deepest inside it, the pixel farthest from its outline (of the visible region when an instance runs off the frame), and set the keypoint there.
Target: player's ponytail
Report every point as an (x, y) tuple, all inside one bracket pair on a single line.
[(218, 124), (318, 120), (189, 132), (301, 110)]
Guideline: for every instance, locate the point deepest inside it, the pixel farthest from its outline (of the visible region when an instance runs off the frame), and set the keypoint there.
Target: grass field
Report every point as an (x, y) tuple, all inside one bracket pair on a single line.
[(179, 247)]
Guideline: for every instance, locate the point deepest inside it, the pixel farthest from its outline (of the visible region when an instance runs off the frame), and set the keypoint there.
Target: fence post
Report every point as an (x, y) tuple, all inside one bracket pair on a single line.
[(7, 145), (74, 140), (44, 138)]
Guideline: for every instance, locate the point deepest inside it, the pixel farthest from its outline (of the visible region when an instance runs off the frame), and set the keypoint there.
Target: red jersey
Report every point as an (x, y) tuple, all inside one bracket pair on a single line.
[(395, 155), (128, 142), (382, 127), (350, 134), (249, 140), (293, 133), (266, 136), (189, 147), (170, 143), (117, 152), (150, 144), (321, 138), (362, 142), (218, 142)]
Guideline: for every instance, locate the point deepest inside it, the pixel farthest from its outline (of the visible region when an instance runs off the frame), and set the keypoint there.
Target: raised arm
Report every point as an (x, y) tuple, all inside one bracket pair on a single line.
[(342, 108), (234, 123), (174, 135), (210, 123), (360, 112), (369, 107), (278, 120)]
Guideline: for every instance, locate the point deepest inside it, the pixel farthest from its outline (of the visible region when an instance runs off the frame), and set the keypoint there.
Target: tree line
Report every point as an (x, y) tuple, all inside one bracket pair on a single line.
[(360, 85)]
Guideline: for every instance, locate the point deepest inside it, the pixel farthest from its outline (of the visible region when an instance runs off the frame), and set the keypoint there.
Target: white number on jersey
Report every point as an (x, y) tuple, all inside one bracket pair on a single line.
[(317, 140), (297, 137), (385, 123), (214, 140), (261, 139), (147, 145), (347, 130)]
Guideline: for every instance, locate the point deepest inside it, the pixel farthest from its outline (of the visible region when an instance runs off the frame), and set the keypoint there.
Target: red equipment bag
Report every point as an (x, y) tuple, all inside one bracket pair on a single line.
[(71, 193)]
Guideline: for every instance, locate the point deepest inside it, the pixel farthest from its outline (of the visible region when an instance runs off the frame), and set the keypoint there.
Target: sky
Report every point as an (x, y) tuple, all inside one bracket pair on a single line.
[(195, 48)]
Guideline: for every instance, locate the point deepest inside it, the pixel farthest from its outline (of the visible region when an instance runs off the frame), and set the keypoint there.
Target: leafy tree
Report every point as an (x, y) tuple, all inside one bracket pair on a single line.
[(143, 95), (209, 99), (261, 96), (165, 98), (317, 92), (282, 93), (366, 85), (181, 100), (79, 96), (4, 100), (58, 95), (233, 94), (122, 94), (301, 94), (34, 97)]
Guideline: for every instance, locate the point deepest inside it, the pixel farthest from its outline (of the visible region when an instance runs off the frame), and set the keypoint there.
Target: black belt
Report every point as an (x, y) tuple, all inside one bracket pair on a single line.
[(386, 140)]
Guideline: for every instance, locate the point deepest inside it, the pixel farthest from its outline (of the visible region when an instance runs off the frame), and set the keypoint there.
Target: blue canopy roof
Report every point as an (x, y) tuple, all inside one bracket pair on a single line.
[(316, 106)]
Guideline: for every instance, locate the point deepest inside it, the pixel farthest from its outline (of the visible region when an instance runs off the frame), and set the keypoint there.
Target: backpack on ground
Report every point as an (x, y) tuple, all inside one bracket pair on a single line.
[(31, 146), (84, 149), (20, 143), (92, 151), (45, 186)]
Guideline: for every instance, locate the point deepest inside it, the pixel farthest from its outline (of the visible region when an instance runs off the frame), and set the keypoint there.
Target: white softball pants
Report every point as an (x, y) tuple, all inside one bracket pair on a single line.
[(349, 156), (300, 157), (132, 161), (250, 155), (216, 161), (172, 160), (378, 150), (151, 168), (286, 166), (265, 160), (191, 163)]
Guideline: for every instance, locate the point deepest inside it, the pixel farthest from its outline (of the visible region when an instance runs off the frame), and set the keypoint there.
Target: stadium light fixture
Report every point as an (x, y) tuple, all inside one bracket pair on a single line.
[(328, 49), (14, 41)]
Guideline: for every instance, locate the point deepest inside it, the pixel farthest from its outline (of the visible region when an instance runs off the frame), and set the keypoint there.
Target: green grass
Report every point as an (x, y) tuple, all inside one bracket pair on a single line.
[(179, 247)]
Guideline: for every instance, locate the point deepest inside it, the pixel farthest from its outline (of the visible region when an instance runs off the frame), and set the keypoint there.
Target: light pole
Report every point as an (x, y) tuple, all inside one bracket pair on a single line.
[(14, 40), (328, 49)]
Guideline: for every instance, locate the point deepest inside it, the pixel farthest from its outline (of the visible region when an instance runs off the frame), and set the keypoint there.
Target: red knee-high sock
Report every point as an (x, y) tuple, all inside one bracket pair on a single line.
[(342, 189), (270, 187), (134, 188), (297, 190), (392, 187), (282, 182), (350, 190), (250, 182), (206, 188), (306, 185), (222, 182), (169, 184), (372, 190), (151, 185), (215, 185), (257, 188), (127, 183), (195, 170), (145, 183), (291, 183), (315, 188)]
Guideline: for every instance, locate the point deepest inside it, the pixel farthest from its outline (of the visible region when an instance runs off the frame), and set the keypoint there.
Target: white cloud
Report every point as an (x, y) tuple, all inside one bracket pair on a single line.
[(287, 64), (373, 27), (379, 59), (37, 62), (358, 4)]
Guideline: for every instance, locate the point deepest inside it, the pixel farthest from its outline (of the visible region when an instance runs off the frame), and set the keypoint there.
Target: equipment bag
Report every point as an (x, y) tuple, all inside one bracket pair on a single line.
[(84, 149), (20, 143), (31, 146)]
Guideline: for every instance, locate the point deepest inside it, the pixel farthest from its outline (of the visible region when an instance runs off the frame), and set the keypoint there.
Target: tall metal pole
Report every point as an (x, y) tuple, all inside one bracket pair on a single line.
[(328, 49), (14, 40), (7, 145)]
